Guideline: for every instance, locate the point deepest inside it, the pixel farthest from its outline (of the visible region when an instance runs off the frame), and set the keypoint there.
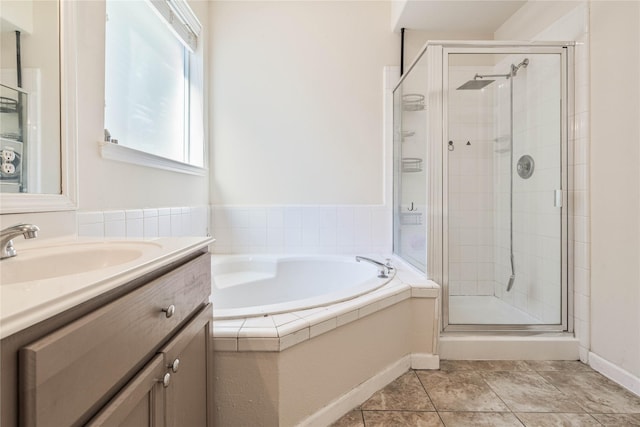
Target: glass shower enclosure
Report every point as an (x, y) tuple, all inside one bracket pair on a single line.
[(481, 142)]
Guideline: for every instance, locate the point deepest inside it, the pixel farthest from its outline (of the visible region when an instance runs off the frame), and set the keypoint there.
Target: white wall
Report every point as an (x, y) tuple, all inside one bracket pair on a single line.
[(615, 179), (106, 184), (414, 41), (297, 101)]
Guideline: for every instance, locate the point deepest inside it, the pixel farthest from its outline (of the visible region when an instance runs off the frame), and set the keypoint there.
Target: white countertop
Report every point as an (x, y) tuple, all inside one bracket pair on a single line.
[(26, 303)]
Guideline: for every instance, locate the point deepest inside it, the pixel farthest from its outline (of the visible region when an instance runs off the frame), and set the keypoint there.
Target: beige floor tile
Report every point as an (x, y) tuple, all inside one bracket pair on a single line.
[(594, 392), (618, 419), (352, 419), (460, 391), (483, 394), (484, 365), (401, 419), (558, 365), (529, 392), (404, 394), (479, 419), (533, 419)]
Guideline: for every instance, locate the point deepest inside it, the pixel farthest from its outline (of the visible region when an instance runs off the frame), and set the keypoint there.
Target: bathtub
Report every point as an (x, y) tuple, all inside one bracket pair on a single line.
[(284, 325), (248, 286)]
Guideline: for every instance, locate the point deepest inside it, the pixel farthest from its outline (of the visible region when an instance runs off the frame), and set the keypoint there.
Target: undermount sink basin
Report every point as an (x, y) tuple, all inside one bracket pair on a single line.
[(49, 262)]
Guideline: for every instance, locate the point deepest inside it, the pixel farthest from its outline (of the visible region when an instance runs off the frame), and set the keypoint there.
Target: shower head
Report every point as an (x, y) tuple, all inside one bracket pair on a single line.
[(515, 68), (478, 83), (475, 84)]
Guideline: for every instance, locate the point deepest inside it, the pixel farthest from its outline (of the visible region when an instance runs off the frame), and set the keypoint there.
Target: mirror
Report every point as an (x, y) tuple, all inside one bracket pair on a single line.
[(37, 106)]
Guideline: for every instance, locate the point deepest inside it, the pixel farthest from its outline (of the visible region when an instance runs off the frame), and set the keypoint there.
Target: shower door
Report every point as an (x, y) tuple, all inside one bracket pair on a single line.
[(504, 188)]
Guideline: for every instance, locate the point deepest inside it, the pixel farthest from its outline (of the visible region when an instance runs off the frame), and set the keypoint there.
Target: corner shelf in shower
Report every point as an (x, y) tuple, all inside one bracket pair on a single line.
[(413, 102), (411, 164), (410, 218), (408, 134)]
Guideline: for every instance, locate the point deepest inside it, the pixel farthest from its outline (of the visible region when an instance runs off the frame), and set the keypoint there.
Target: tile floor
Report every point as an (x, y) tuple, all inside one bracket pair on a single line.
[(499, 393)]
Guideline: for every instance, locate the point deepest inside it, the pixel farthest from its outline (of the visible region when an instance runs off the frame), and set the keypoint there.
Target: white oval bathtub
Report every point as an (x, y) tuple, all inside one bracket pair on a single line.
[(247, 286)]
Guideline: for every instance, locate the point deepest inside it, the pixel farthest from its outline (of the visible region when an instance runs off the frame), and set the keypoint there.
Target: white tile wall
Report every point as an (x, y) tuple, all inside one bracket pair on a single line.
[(150, 223), (581, 218), (145, 223), (535, 225), (301, 229), (471, 259), (536, 222), (575, 26)]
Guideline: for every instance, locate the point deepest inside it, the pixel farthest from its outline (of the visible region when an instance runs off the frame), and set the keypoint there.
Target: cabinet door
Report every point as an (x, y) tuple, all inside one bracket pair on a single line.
[(188, 357), (141, 403)]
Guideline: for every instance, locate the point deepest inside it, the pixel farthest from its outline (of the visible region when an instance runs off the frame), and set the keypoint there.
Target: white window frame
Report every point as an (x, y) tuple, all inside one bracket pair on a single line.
[(186, 27)]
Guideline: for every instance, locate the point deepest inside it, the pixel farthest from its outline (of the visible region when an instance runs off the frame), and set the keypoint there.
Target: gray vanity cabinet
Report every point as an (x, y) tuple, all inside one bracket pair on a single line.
[(186, 359), (140, 357), (140, 404), (172, 389)]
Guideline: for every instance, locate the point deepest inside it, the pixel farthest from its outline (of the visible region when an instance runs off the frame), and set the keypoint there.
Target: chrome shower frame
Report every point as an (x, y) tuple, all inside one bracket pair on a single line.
[(566, 316), (435, 56)]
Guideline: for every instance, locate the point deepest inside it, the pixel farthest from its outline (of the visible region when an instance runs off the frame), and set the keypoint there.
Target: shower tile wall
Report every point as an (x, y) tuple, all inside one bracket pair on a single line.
[(574, 26), (471, 209), (536, 221), (479, 186), (579, 196)]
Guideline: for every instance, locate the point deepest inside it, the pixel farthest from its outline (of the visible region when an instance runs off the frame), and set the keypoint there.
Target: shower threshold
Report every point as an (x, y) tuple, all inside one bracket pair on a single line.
[(486, 310), (497, 346)]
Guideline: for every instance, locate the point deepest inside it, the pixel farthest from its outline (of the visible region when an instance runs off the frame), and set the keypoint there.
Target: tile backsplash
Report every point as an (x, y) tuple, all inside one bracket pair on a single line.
[(145, 223), (302, 229)]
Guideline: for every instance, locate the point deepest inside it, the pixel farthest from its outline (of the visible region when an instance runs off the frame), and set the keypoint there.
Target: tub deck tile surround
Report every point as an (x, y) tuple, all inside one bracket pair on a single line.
[(294, 338), (284, 318), (485, 393), (281, 331)]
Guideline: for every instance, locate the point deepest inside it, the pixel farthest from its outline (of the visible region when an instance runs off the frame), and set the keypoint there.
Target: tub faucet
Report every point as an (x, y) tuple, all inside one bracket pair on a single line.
[(383, 270), (29, 231)]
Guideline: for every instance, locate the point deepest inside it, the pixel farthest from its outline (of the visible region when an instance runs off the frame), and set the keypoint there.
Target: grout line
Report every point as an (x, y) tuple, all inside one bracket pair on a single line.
[(425, 390)]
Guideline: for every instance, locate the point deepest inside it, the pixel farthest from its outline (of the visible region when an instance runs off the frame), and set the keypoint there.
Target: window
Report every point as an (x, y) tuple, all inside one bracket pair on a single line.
[(153, 79)]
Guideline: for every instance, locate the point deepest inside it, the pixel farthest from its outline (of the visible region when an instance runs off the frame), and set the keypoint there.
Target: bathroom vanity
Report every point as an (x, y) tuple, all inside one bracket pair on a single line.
[(136, 354)]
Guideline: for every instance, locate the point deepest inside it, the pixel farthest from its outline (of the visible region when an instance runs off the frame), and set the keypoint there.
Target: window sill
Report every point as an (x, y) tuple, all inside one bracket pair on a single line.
[(124, 154)]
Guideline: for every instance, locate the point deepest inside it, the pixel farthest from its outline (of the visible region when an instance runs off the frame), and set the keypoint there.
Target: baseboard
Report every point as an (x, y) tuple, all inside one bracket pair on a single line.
[(358, 395), (615, 373), (425, 361)]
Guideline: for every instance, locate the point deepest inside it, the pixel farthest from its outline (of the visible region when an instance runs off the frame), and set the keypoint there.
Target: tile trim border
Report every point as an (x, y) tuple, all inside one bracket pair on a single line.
[(240, 335)]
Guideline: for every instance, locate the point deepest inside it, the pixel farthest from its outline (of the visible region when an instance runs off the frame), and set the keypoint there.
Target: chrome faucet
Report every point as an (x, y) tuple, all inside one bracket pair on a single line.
[(29, 231), (383, 269)]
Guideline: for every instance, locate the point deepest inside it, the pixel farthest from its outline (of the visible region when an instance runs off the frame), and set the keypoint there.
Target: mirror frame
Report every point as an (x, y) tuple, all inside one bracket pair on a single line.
[(67, 199)]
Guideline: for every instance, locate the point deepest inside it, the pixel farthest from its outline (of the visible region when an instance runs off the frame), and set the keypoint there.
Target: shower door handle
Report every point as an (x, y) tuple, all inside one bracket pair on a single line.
[(557, 198)]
